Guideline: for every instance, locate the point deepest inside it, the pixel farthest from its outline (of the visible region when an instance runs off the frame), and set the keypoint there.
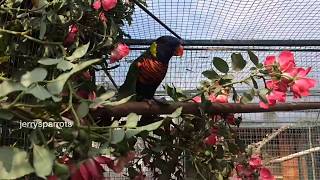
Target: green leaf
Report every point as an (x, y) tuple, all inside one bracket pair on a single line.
[(107, 95), (220, 64), (219, 176), (254, 59), (36, 75), (79, 52), (151, 127), (176, 113), (210, 74), (246, 98), (61, 170), (65, 65), (43, 161), (116, 103), (7, 87), (55, 86), (39, 92), (238, 63), (117, 135), (132, 132), (132, 120), (262, 95), (4, 59), (43, 27), (175, 93), (49, 61), (101, 99), (6, 115), (14, 163), (83, 109)]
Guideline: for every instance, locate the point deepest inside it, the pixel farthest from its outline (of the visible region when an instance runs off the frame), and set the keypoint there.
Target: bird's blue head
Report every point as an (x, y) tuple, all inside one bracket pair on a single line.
[(165, 47)]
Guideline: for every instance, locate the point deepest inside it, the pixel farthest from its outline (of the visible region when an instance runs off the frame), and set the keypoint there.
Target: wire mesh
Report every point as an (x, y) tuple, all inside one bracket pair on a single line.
[(229, 19), (185, 73), (291, 141)]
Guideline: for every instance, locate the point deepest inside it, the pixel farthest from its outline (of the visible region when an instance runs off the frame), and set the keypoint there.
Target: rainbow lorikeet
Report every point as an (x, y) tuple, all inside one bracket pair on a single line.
[(147, 71)]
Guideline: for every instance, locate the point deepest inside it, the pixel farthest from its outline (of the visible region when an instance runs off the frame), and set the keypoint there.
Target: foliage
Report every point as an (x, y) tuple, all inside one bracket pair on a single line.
[(49, 52)]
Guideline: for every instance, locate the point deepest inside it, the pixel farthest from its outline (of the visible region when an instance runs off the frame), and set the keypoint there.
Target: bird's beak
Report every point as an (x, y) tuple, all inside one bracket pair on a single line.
[(179, 51)]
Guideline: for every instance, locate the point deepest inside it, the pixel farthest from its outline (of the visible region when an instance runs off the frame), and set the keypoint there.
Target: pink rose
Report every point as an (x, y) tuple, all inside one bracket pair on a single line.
[(108, 4), (231, 119), (86, 75), (92, 96), (214, 130), (211, 139), (269, 62), (272, 99), (96, 5), (123, 161), (92, 168), (277, 94), (286, 61), (280, 85), (102, 17), (71, 36), (244, 171), (121, 51), (83, 93), (265, 174), (221, 98), (197, 99), (255, 161), (301, 85)]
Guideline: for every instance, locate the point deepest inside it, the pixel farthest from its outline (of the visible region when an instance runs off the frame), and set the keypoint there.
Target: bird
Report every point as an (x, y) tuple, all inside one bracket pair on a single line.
[(146, 73)]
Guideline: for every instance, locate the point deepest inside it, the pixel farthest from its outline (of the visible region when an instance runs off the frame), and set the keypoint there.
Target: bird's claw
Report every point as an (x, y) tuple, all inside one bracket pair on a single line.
[(154, 101), (161, 101)]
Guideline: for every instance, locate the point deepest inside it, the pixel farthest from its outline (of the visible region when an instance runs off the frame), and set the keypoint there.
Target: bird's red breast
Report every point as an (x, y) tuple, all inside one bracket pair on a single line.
[(151, 71)]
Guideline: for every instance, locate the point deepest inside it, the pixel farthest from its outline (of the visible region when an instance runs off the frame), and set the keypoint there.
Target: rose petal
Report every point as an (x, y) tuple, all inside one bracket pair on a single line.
[(108, 4), (96, 5)]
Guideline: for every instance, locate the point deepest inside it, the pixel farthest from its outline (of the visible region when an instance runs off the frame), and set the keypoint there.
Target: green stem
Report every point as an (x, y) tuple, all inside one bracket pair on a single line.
[(24, 34), (198, 171), (225, 85), (77, 123), (15, 101), (30, 105), (104, 68)]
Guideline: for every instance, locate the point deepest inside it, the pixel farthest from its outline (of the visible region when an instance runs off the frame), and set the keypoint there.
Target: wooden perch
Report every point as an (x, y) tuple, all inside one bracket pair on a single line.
[(258, 146), (144, 108), (295, 155)]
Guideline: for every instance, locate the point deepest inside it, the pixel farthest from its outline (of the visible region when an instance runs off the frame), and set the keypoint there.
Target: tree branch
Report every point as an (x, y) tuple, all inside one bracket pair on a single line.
[(145, 108)]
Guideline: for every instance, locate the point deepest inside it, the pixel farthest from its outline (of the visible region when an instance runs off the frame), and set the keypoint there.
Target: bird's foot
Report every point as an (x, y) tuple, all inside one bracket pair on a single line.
[(162, 101)]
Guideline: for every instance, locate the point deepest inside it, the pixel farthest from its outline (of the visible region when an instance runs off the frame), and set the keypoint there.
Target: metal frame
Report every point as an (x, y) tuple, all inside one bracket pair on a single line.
[(233, 42)]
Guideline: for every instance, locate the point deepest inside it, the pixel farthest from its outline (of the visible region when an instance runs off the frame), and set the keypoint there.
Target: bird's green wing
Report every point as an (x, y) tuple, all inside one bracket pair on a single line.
[(128, 88)]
